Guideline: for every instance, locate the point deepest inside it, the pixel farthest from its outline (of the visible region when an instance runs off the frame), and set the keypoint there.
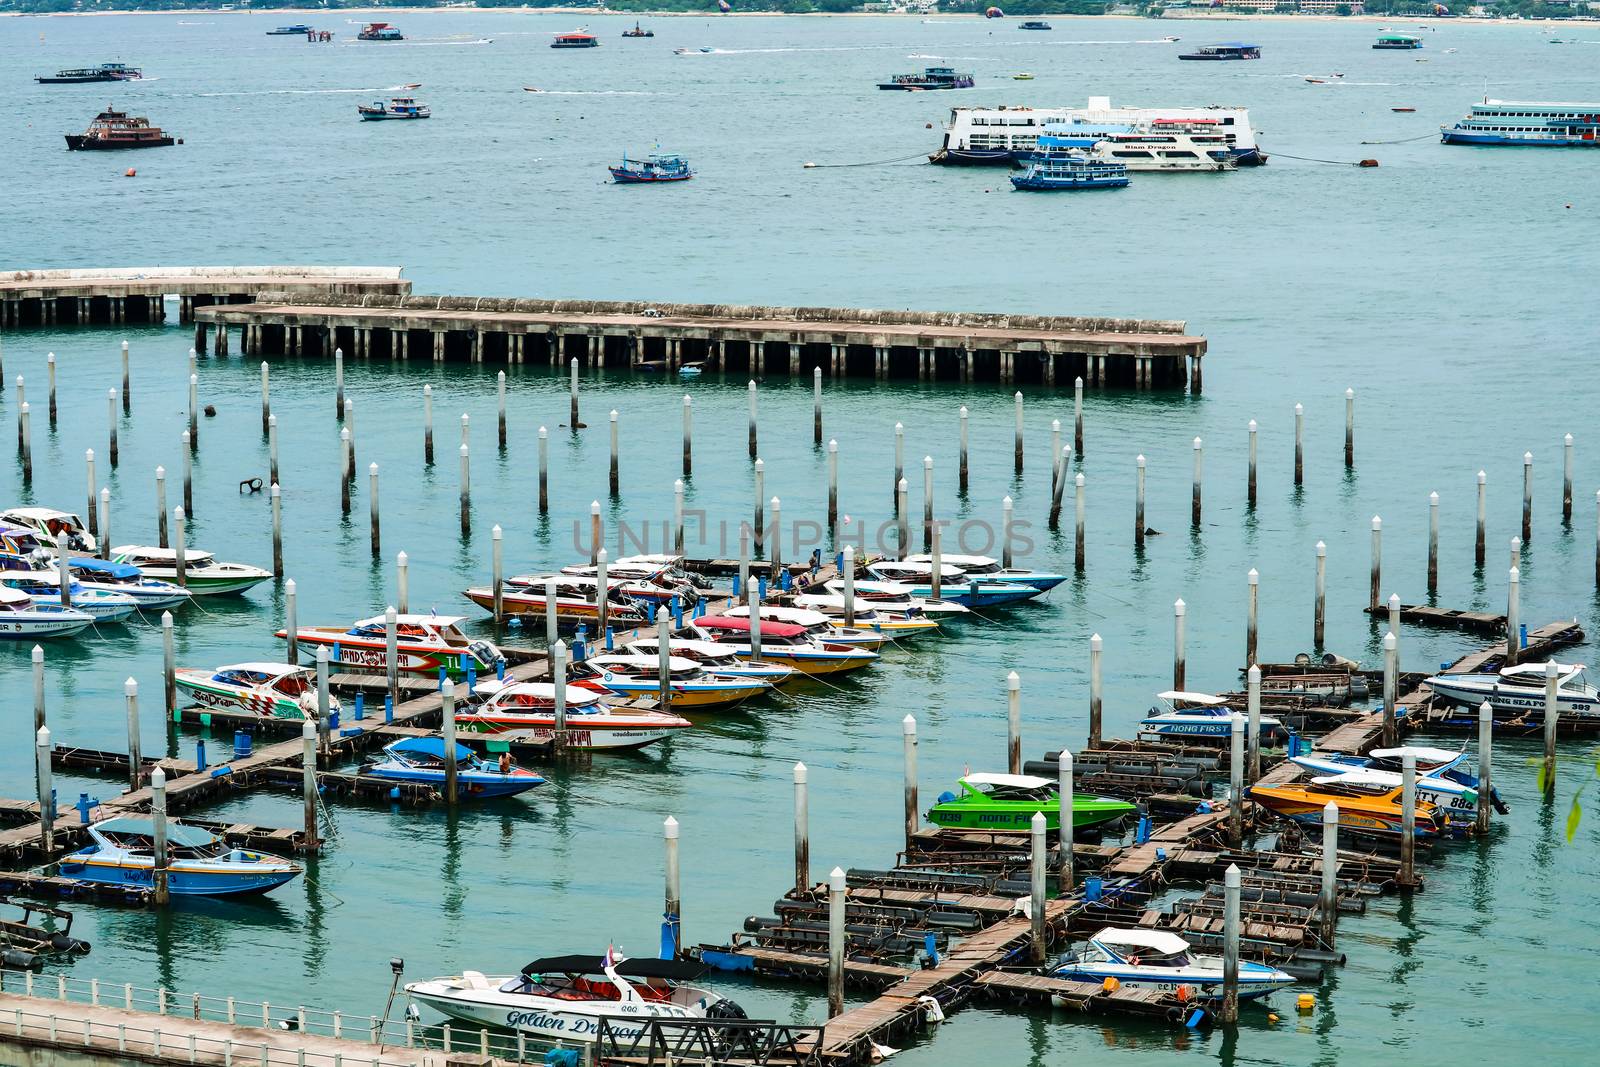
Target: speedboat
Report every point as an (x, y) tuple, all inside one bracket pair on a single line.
[(199, 863), (1455, 801), (425, 644), (125, 578), (869, 614), (899, 597), (1364, 802), (562, 998), (691, 685), (715, 659), (577, 598), (989, 570), (524, 714), (656, 578), (203, 574), (953, 584), (45, 589), (22, 618), (271, 690), (1163, 962), (48, 523), (1519, 690), (1009, 802), (784, 643), (421, 760), (1200, 716), (821, 627)]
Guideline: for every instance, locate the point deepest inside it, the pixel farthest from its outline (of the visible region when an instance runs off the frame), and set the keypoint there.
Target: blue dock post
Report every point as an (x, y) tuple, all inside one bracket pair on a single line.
[(761, 589), (500, 670), (785, 581), (677, 612), (361, 706), (611, 639), (472, 676), (200, 754), (241, 744), (580, 644), (736, 589), (388, 708), (442, 676)]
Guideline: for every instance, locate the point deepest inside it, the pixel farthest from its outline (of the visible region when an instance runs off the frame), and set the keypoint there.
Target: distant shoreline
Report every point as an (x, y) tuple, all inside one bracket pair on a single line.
[(1197, 16)]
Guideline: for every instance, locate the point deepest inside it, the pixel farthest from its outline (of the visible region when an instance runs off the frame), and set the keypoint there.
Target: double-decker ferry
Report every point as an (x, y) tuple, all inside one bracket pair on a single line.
[(1164, 147), (1009, 134), (1525, 124)]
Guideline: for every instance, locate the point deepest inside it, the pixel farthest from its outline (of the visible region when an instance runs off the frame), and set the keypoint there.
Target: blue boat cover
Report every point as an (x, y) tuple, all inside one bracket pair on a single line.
[(429, 746), (100, 566)]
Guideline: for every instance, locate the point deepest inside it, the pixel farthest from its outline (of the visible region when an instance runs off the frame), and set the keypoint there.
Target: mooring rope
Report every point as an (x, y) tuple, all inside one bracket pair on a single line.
[(1403, 140), (875, 163), (1312, 159)]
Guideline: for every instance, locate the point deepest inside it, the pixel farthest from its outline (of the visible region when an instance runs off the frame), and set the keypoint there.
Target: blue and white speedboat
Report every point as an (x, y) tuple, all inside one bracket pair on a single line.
[(1201, 716), (1519, 691), (987, 569), (45, 589), (421, 760), (954, 585), (22, 618), (199, 863), (1161, 961), (1444, 776), (125, 578), (1527, 124)]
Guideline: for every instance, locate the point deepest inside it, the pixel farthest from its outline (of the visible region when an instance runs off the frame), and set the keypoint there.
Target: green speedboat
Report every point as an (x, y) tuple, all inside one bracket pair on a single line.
[(1008, 802)]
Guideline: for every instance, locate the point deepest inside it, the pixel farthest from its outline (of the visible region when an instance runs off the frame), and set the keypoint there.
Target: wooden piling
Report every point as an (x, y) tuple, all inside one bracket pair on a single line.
[(38, 687), (47, 793), (677, 515), (1017, 447), (324, 698), (25, 442), (1096, 689), (908, 731), (161, 891), (612, 480), (899, 466), (111, 423), (1059, 485), (344, 469), (1236, 766), (427, 425), (104, 543), (1478, 545), (927, 502), (500, 409), (752, 392), (372, 508), (1250, 476), (602, 585), (1064, 822), (194, 411), (776, 555), (1037, 897), (752, 599), (1319, 610), (1329, 900), (272, 450), (130, 697), (1078, 547), (63, 572), (551, 620), (180, 557), (1377, 564), (1013, 723), (402, 566), (688, 437), (1253, 582), (291, 623), (903, 523), (802, 824), (169, 664), (816, 405), (836, 885), (127, 391), (760, 526), (277, 530), (573, 391), (1527, 497), (1394, 623), (1006, 509), (1299, 445), (1408, 819), (466, 491), (1178, 609), (847, 568), (1391, 689), (308, 771), (664, 655), (673, 911), (1349, 427), (961, 467), (1485, 765), (1253, 721), (447, 714), (350, 426), (1228, 1010), (161, 506), (50, 365), (22, 396), (1566, 480), (1194, 502), (266, 395), (497, 577), (1433, 543), (544, 471), (1513, 619), (1552, 715), (1077, 416), (833, 489), (1138, 501), (91, 513), (936, 582), (338, 384)]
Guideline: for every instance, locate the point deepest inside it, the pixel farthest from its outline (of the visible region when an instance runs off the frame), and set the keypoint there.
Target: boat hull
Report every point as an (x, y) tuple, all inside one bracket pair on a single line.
[(593, 737), (1501, 140), (201, 584), (1255, 979), (200, 690), (1518, 700), (30, 626), (1056, 185), (345, 651), (470, 785), (625, 177), (78, 142), (1087, 813), (546, 1017), (182, 879)]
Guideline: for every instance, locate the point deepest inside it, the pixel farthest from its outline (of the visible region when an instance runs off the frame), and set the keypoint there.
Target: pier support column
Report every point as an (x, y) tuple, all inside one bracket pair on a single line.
[(880, 363), (199, 337), (438, 346), (397, 343), (794, 360), (118, 309), (967, 358), (158, 309), (758, 354), (514, 348), (594, 346), (722, 355), (1049, 368), (1194, 373), (836, 360), (924, 364)]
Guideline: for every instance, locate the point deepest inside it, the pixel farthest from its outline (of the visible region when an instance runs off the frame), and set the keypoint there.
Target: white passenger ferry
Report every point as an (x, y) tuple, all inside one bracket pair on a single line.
[(1524, 124), (1007, 134), (1162, 149)]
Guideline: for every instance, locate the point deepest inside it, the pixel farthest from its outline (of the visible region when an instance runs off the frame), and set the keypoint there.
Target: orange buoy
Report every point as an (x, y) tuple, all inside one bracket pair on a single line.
[(131, 173)]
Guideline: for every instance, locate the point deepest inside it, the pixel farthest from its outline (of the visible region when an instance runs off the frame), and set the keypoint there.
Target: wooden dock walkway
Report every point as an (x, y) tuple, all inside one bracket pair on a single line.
[(1427, 615)]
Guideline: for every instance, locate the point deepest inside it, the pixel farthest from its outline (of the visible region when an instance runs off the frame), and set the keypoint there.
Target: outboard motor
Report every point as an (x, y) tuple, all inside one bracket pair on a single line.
[(725, 1009), (486, 653)]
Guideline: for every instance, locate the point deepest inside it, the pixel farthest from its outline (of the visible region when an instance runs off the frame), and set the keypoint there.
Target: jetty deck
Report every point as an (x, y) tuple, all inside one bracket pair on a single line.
[(759, 341)]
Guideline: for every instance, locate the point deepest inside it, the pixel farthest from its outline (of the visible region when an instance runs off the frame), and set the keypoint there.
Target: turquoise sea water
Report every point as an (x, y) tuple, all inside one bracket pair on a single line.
[(1452, 288)]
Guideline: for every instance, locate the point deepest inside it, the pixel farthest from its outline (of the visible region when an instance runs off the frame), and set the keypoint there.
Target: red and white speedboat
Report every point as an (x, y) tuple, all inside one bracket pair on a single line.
[(425, 643), (784, 643), (524, 713), (577, 598)]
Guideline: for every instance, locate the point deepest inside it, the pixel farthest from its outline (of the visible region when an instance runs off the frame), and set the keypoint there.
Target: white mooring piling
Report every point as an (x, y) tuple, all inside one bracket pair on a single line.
[(1037, 897), (1096, 691), (1552, 717), (1178, 609), (1064, 821), (1485, 765), (1228, 1012), (802, 827), (1329, 905), (836, 886), (1014, 723)]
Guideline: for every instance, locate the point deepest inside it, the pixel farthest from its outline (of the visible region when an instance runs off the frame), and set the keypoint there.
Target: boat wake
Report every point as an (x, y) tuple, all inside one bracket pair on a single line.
[(589, 92), (300, 92)]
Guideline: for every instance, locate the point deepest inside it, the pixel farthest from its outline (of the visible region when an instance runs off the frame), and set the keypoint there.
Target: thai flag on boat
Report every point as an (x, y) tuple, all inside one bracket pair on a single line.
[(612, 958)]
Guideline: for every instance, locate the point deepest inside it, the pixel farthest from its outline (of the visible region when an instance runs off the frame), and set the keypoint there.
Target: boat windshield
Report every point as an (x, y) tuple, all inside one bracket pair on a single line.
[(293, 685), (1014, 792), (247, 679), (1141, 956)]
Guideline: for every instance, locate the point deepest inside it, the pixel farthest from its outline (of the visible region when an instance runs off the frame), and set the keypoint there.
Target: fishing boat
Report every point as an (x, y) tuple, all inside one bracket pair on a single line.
[(1397, 41), (48, 524), (692, 686), (1008, 802), (299, 29), (988, 569), (715, 659), (578, 39), (379, 31), (105, 72), (871, 615), (1233, 50), (954, 585), (563, 998), (1519, 691), (784, 643), (638, 31), (524, 714), (929, 79), (1009, 135), (656, 168), (1063, 164), (396, 107), (199, 863), (1034, 24), (22, 618), (1455, 801), (203, 573), (821, 627), (1525, 124), (1365, 803), (270, 690), (425, 644), (128, 580), (45, 589), (420, 760), (1163, 962), (577, 598), (1200, 716)]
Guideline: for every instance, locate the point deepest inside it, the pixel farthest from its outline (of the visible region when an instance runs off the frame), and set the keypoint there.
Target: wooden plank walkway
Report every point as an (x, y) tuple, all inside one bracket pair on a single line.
[(1451, 618), (1083, 996)]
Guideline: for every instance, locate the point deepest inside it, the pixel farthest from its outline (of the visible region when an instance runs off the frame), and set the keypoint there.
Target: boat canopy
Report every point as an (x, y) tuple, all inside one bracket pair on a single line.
[(1009, 781), (643, 662), (192, 558), (428, 746), (1524, 672), (1158, 941), (272, 670), (9, 595), (679, 644), (643, 967), (1423, 753), (1360, 777), (100, 566), (768, 629), (1205, 700), (179, 834)]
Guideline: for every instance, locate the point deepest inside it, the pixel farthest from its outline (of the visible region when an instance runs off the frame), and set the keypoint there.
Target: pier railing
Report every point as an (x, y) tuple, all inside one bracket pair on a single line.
[(683, 1041), (369, 1030)]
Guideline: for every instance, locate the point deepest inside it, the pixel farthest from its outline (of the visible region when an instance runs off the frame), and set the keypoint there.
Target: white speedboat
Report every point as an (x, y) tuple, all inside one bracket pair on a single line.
[(870, 615), (45, 589), (271, 690), (988, 569), (716, 659), (898, 596), (819, 626), (125, 578), (48, 523), (23, 619), (564, 997), (203, 573), (691, 686), (524, 713), (1161, 961), (1455, 801), (424, 644), (1198, 715), (954, 584), (121, 852), (1519, 690)]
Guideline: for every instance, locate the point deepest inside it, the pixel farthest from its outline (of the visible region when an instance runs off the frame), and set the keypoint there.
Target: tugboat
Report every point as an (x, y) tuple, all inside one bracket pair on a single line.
[(398, 107), (105, 72), (638, 31), (1065, 163), (577, 39), (658, 168), (114, 129), (931, 78), (379, 31)]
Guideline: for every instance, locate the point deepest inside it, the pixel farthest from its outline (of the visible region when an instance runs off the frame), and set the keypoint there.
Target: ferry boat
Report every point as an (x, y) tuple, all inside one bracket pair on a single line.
[(1232, 50), (1519, 124), (562, 998), (524, 713), (105, 72), (1163, 962), (1008, 802), (1519, 691), (199, 863), (657, 168), (203, 573), (116, 130), (1034, 24), (23, 619), (379, 31), (425, 644), (577, 39), (1009, 134), (270, 690), (691, 684), (397, 107), (638, 31), (931, 78), (420, 760), (1164, 149), (1398, 40), (299, 29)]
